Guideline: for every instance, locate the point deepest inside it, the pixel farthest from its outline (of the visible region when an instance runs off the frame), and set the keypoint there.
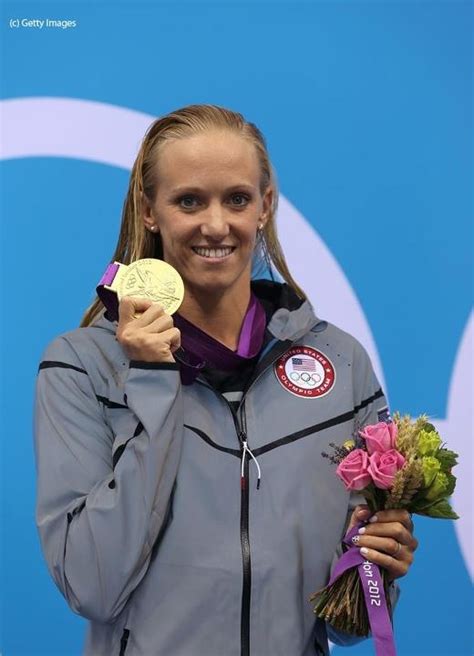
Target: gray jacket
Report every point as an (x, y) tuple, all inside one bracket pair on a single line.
[(146, 524)]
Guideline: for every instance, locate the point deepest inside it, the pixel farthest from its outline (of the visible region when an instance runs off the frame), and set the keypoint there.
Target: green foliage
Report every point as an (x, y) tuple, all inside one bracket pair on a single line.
[(451, 484), (429, 428), (447, 458), (440, 510)]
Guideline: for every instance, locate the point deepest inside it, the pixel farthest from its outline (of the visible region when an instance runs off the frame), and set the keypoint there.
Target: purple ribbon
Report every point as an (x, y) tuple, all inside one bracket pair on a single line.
[(253, 327), (374, 594), (200, 349), (107, 296), (109, 274)]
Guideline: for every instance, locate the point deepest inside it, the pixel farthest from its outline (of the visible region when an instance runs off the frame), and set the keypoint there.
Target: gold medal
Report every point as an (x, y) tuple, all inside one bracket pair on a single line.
[(152, 279)]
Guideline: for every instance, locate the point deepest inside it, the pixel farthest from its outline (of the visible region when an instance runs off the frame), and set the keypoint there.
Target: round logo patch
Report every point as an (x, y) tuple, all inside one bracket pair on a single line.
[(304, 371)]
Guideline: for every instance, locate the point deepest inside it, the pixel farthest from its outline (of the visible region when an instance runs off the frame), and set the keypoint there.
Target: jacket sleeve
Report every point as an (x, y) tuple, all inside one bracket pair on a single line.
[(97, 523), (370, 407), (370, 404)]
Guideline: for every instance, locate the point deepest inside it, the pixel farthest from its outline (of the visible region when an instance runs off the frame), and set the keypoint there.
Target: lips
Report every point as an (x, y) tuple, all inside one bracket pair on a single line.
[(214, 253)]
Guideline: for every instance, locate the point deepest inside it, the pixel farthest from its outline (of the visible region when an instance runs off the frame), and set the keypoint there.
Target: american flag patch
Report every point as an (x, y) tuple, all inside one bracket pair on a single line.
[(303, 364), (305, 372)]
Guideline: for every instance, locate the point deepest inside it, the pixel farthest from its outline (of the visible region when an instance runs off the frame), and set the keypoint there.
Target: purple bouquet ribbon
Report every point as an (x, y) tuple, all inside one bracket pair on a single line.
[(374, 594)]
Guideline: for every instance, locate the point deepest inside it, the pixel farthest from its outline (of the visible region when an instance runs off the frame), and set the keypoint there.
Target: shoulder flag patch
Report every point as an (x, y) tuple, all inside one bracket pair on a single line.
[(306, 372)]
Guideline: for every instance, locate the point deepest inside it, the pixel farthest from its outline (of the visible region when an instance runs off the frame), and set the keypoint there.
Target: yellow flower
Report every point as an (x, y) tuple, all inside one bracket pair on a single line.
[(431, 467), (438, 487), (428, 443)]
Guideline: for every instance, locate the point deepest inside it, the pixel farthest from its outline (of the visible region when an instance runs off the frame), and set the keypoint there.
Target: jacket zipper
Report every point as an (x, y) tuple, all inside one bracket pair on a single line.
[(124, 641), (246, 568), (241, 429), (244, 524)]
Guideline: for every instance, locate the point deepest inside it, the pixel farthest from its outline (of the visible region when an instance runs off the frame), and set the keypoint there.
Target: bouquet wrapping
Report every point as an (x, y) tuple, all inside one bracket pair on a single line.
[(398, 464)]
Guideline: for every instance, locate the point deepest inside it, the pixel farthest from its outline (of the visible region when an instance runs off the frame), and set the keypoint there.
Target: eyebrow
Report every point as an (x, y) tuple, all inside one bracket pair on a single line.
[(194, 189)]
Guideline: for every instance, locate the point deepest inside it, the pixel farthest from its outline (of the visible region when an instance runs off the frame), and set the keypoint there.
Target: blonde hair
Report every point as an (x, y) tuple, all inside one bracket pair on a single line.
[(136, 242)]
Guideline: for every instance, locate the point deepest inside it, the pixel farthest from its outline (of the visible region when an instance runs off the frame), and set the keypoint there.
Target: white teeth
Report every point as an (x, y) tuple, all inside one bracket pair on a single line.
[(213, 252)]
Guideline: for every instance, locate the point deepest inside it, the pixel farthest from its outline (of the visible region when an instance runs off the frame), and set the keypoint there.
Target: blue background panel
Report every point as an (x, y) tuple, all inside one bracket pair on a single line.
[(367, 110)]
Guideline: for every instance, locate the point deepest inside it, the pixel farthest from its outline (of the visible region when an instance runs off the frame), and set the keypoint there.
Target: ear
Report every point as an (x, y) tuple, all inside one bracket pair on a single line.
[(147, 214), (267, 206)]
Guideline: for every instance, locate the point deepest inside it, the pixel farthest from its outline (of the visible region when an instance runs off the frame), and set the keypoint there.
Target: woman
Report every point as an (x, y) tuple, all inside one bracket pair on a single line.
[(183, 503)]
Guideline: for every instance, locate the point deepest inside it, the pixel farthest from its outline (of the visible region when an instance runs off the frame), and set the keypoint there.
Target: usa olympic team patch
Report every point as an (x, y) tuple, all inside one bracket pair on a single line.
[(306, 372)]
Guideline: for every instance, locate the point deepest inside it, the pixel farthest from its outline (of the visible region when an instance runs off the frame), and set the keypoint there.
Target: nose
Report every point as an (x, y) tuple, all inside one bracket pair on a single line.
[(215, 224)]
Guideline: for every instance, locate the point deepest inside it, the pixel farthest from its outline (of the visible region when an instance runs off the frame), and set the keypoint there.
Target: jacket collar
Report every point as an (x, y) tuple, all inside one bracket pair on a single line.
[(289, 317)]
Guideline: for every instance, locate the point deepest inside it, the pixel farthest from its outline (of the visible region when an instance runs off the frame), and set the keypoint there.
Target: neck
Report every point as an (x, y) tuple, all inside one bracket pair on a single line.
[(220, 317)]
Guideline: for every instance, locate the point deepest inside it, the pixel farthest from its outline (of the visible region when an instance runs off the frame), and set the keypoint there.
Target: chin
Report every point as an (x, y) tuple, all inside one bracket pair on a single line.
[(215, 284), (212, 286)]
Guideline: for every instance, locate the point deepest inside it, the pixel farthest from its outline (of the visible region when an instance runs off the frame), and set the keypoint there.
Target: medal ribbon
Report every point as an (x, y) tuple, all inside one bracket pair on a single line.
[(200, 350), (374, 594), (107, 296)]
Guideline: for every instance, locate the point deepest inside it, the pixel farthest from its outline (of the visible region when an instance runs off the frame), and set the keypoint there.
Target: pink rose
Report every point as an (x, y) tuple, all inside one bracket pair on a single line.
[(384, 466), (380, 437), (353, 470)]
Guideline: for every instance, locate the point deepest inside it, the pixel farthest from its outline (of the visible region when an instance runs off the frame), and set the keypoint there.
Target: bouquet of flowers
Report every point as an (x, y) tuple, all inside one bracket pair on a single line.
[(401, 464)]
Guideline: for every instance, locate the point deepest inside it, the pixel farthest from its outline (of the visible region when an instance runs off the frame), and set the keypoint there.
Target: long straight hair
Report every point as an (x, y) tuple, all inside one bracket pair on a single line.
[(136, 242)]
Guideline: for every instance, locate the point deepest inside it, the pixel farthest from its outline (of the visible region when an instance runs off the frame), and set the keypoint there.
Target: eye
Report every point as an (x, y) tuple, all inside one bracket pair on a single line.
[(189, 201), (183, 202), (243, 198)]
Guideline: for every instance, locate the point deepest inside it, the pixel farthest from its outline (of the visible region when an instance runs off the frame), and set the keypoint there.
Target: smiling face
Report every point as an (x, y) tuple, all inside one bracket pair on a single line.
[(207, 209)]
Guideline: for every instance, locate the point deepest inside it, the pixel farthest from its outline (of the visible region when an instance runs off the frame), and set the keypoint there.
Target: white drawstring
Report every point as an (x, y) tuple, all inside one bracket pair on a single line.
[(244, 450)]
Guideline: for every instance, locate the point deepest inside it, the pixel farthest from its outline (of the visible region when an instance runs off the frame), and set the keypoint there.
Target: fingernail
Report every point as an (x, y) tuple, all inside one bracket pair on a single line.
[(361, 531), (373, 519), (364, 551), (361, 513), (355, 539)]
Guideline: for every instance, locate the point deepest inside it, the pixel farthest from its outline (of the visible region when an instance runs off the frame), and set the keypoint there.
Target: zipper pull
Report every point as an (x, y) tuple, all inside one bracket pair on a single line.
[(245, 449)]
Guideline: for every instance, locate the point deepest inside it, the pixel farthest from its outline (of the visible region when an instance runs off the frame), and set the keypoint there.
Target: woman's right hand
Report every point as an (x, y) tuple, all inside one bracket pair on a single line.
[(152, 337)]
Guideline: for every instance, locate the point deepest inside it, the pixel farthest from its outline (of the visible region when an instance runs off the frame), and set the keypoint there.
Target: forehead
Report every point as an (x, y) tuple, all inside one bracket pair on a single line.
[(217, 157)]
